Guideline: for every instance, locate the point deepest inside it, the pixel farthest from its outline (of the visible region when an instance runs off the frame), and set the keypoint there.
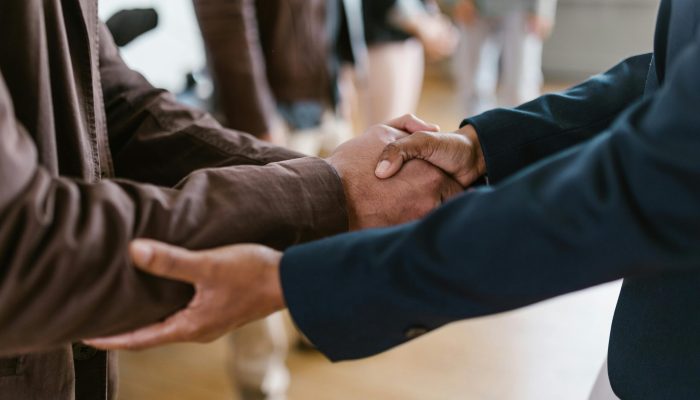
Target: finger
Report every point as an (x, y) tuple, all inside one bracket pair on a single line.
[(411, 124), (166, 261), (170, 331), (395, 154)]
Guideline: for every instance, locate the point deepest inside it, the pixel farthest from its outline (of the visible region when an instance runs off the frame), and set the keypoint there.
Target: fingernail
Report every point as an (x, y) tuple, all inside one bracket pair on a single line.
[(382, 168), (141, 252)]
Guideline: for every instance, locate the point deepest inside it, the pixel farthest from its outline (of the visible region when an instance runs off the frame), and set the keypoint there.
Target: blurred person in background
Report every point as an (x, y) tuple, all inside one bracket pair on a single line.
[(399, 35), (499, 59), (283, 57), (275, 65)]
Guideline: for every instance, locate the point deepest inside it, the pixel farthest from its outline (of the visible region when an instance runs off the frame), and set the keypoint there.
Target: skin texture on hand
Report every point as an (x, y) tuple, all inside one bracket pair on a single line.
[(459, 154), (413, 192), (234, 285)]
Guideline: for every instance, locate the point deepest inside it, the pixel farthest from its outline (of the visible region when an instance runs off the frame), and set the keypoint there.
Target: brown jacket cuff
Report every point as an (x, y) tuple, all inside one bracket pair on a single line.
[(323, 206)]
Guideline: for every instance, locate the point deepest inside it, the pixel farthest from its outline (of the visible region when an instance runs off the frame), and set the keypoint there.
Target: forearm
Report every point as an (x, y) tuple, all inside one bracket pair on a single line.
[(78, 234), (66, 273), (512, 139), (621, 205), (540, 235), (155, 139)]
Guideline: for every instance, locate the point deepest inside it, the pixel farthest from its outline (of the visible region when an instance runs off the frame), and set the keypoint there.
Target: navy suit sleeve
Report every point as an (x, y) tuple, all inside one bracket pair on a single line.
[(515, 138), (625, 203)]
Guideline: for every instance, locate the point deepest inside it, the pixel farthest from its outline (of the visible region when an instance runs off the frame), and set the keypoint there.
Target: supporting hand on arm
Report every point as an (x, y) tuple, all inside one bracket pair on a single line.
[(238, 284), (234, 285)]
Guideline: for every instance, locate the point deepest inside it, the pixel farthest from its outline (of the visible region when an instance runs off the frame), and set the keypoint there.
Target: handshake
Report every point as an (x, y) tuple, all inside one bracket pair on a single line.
[(382, 191), (392, 174)]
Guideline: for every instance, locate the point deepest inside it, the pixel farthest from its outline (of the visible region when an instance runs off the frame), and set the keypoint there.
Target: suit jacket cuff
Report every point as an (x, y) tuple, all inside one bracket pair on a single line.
[(500, 154)]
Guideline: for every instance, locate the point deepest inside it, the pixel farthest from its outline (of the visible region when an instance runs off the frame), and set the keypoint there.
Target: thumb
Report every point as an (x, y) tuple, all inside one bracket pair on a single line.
[(166, 261), (395, 154)]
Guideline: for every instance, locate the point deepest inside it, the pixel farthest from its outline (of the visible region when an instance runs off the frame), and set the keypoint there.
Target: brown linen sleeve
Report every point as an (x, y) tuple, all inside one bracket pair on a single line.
[(232, 39), (65, 273), (155, 139)]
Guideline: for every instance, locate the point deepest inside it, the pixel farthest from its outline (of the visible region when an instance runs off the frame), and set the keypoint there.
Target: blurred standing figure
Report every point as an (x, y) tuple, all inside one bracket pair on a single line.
[(270, 63), (399, 35), (275, 67), (507, 31)]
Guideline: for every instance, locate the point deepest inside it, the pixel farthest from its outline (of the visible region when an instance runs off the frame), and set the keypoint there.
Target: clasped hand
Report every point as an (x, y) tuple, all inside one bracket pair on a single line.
[(238, 284)]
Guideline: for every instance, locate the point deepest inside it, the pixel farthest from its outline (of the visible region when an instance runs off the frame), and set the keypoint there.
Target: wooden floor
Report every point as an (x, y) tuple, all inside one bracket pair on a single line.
[(551, 351)]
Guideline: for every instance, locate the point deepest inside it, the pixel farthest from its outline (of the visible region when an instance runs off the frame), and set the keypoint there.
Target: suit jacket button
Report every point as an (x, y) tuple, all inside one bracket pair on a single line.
[(82, 352), (415, 331)]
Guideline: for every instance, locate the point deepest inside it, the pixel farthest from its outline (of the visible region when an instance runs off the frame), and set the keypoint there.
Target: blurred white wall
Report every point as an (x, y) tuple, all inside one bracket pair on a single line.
[(593, 35), (166, 54)]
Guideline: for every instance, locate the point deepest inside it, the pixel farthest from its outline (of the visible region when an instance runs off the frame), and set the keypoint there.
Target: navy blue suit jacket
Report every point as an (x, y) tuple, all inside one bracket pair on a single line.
[(598, 183)]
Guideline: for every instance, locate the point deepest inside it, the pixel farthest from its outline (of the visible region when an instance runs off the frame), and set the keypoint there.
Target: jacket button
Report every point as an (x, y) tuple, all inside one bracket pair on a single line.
[(82, 352), (415, 331)]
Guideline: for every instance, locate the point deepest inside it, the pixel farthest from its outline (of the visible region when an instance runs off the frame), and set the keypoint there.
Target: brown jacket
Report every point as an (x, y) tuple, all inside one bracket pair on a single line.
[(265, 51), (92, 156)]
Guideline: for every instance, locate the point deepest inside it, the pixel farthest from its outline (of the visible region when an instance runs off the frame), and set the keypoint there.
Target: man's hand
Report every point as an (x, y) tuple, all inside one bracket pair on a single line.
[(234, 285), (458, 154), (411, 194)]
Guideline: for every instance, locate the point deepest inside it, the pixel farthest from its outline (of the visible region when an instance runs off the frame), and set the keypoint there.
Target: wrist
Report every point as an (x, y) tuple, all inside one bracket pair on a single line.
[(273, 292), (347, 191), (472, 136)]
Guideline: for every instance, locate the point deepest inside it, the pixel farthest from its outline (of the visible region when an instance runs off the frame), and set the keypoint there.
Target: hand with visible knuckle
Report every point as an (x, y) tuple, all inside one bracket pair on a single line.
[(213, 310)]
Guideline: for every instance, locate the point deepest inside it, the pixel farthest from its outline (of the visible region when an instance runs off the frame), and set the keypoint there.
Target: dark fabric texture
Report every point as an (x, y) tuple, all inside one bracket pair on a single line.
[(92, 156), (515, 138), (593, 185)]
